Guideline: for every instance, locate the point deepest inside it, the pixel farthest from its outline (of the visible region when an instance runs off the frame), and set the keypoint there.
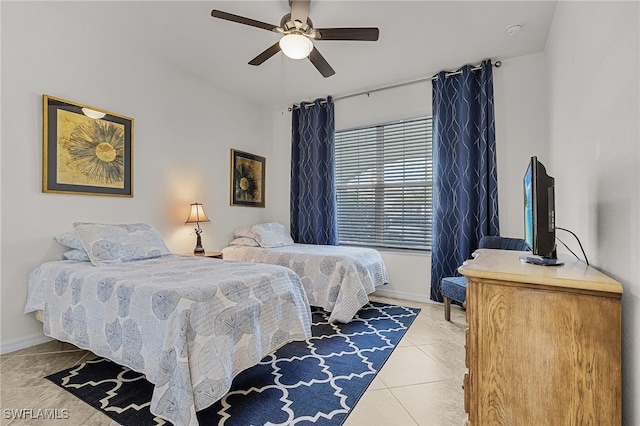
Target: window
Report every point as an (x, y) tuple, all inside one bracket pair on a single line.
[(384, 185)]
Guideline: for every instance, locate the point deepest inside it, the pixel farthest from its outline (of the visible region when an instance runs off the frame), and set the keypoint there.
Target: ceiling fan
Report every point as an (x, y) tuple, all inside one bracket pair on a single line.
[(298, 35)]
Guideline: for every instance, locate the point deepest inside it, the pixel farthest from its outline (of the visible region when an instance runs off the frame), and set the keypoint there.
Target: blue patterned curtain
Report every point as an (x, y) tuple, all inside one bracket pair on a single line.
[(465, 186), (314, 217)]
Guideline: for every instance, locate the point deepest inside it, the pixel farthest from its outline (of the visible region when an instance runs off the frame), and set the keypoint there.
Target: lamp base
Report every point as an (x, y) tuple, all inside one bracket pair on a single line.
[(199, 250)]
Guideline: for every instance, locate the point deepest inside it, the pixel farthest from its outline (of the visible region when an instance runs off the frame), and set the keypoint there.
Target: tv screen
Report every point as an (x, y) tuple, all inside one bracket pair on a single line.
[(540, 214), (528, 207)]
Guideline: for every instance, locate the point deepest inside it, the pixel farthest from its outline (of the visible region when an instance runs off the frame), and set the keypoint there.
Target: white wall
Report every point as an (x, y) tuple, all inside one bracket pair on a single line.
[(593, 53), (522, 130), (183, 132)]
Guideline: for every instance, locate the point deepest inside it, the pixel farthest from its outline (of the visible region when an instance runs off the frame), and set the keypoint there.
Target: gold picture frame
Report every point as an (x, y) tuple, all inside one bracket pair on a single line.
[(86, 151), (247, 179)]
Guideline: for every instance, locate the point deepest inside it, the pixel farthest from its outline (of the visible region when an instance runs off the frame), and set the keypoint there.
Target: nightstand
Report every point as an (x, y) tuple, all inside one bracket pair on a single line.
[(212, 254)]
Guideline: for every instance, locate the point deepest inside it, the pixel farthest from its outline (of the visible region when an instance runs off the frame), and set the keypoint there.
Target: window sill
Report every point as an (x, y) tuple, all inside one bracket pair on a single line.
[(420, 253), (409, 252)]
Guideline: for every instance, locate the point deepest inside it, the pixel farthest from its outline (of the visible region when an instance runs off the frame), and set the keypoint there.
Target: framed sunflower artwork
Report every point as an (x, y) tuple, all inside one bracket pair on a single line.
[(247, 179), (86, 151)]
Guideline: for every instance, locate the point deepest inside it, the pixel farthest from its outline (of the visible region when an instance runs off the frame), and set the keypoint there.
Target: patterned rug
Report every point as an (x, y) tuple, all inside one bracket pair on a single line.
[(316, 381)]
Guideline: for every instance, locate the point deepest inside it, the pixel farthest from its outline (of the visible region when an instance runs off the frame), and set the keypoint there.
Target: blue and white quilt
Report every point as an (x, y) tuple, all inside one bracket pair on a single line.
[(190, 324), (335, 278)]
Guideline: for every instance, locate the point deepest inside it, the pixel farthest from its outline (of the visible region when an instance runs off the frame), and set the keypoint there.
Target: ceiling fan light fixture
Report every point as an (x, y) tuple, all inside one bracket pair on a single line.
[(296, 46)]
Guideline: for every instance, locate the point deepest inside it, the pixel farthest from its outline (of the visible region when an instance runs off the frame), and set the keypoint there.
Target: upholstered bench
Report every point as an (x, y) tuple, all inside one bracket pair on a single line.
[(453, 288)]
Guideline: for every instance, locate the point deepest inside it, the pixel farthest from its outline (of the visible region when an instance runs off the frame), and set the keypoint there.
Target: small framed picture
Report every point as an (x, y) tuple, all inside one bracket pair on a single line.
[(247, 179), (86, 151)]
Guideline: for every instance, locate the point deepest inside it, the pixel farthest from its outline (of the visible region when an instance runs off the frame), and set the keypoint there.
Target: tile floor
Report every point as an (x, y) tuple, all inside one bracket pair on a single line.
[(420, 384)]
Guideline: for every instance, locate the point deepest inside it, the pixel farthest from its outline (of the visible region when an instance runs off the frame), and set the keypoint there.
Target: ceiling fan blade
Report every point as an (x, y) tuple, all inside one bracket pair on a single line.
[(275, 48), (242, 20), (299, 12), (358, 34), (321, 63)]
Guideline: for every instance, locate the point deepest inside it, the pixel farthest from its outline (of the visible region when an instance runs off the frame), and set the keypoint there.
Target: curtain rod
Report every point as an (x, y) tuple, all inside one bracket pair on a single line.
[(496, 64)]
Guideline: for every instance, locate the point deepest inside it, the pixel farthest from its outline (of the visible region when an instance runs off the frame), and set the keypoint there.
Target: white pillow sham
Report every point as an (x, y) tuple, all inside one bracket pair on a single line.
[(108, 244), (69, 239), (245, 232), (272, 234)]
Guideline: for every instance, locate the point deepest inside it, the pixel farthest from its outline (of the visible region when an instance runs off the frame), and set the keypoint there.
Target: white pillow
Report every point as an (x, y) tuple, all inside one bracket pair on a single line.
[(108, 244), (69, 239), (272, 234), (244, 241), (243, 232), (76, 254)]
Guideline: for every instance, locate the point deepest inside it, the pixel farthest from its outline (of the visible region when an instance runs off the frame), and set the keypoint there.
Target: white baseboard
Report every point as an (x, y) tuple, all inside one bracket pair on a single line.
[(416, 297), (22, 342)]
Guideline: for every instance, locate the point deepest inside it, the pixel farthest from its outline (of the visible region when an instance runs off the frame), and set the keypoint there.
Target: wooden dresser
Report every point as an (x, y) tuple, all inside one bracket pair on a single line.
[(543, 344)]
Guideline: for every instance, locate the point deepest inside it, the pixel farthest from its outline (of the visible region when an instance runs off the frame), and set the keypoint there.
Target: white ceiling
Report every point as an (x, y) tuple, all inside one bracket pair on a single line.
[(417, 39)]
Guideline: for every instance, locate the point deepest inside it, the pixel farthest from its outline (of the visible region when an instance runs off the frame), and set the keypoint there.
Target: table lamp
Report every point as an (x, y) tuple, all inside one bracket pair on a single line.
[(197, 216)]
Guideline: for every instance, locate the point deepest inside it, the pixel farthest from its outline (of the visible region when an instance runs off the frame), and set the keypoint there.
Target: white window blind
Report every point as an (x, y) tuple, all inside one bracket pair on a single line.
[(384, 185)]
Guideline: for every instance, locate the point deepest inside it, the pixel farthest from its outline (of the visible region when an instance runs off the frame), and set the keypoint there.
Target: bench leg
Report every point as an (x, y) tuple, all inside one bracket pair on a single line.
[(447, 308)]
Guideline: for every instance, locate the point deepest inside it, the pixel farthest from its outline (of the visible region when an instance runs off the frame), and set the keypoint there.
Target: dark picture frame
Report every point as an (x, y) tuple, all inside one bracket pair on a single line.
[(248, 173), (86, 151)]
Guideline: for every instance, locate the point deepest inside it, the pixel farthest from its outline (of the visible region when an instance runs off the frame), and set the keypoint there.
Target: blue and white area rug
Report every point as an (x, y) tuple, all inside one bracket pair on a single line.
[(315, 381)]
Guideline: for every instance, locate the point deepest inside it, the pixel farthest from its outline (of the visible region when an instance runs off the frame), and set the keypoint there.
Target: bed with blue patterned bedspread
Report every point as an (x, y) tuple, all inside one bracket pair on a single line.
[(335, 278), (190, 324)]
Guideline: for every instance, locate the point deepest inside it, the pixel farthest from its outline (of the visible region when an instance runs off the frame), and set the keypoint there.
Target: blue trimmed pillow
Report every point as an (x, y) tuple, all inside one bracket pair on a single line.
[(108, 244)]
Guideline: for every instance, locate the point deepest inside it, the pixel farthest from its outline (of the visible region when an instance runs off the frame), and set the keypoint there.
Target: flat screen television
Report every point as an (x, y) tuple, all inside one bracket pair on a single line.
[(540, 215)]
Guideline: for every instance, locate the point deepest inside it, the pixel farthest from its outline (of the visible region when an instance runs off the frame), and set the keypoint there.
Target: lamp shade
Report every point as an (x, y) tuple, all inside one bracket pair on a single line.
[(296, 46), (197, 214)]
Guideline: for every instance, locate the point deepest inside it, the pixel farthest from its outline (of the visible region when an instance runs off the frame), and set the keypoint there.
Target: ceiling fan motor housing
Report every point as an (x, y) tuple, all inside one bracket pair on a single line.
[(295, 27)]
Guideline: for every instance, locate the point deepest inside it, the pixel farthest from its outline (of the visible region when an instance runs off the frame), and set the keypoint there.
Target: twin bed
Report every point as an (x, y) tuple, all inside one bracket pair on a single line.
[(337, 279), (190, 324)]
